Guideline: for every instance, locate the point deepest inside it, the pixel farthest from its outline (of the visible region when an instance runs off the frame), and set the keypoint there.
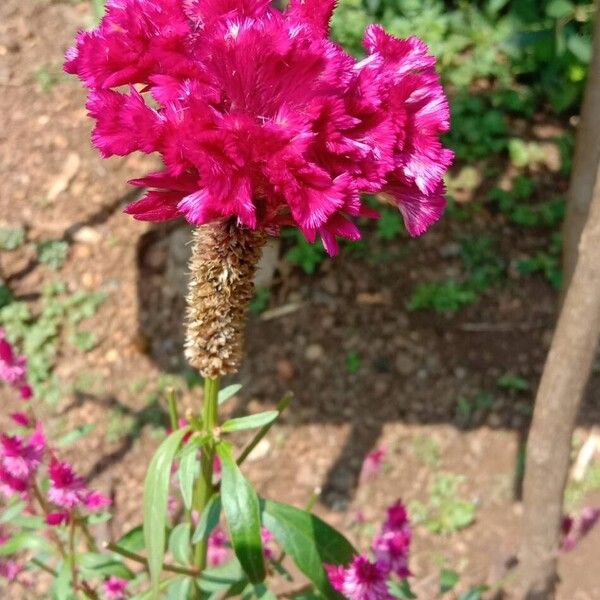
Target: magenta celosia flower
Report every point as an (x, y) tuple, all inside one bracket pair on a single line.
[(259, 117), (115, 588), (21, 419), (372, 464), (68, 490), (361, 580), (218, 548), (392, 544), (10, 569), (13, 368), (267, 541), (19, 460), (574, 529), (54, 519)]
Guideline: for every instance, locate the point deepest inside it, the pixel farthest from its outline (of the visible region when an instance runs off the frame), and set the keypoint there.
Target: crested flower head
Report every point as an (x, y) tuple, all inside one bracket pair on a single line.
[(361, 580), (261, 119), (13, 368), (392, 544), (115, 588), (218, 548), (68, 490)]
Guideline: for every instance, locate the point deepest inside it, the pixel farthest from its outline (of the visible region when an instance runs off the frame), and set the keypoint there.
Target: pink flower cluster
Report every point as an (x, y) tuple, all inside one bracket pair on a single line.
[(13, 368), (260, 117), (365, 579), (575, 528)]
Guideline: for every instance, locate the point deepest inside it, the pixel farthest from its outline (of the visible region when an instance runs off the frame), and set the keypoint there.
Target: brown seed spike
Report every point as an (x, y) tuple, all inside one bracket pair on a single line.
[(223, 264)]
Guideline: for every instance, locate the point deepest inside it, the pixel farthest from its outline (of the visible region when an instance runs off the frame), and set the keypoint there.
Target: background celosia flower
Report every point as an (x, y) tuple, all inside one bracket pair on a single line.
[(372, 464), (260, 118), (218, 548), (574, 529), (68, 490), (13, 368), (115, 588), (392, 544), (361, 580)]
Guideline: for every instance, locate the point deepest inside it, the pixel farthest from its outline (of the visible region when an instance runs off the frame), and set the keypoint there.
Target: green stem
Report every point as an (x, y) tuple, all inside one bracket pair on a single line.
[(204, 485), (172, 404), (144, 561), (72, 558)]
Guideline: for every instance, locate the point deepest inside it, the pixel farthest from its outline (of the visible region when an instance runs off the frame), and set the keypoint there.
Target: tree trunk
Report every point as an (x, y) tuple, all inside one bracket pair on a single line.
[(587, 154), (563, 383)]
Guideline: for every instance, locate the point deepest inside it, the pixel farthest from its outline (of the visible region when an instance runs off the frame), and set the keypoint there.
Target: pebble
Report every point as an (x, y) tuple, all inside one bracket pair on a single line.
[(405, 364), (314, 352), (87, 235), (285, 370)]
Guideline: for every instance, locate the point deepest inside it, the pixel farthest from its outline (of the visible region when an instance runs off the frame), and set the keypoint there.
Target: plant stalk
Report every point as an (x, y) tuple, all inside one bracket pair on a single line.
[(204, 485)]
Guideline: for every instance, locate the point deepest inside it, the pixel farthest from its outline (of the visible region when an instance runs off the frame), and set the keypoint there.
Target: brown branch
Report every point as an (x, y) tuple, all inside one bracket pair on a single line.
[(559, 396)]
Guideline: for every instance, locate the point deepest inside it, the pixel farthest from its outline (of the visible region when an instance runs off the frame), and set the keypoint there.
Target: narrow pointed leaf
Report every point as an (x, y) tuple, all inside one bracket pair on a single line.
[(209, 519), (241, 508), (229, 392), (250, 422), (309, 541), (187, 473), (179, 543), (156, 497)]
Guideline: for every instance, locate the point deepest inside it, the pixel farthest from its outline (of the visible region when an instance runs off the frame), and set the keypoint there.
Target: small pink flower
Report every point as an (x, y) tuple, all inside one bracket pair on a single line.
[(21, 419), (10, 485), (54, 519), (218, 548), (267, 540), (361, 580), (574, 529), (68, 490), (10, 569), (372, 464), (391, 546), (115, 588), (21, 457), (13, 368)]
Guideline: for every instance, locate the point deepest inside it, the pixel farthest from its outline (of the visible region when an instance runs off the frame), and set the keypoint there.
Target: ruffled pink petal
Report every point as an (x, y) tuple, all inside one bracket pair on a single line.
[(156, 206), (419, 210), (316, 13)]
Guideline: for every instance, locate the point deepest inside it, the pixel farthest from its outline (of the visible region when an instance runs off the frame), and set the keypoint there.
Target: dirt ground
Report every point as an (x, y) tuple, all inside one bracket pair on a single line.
[(400, 395)]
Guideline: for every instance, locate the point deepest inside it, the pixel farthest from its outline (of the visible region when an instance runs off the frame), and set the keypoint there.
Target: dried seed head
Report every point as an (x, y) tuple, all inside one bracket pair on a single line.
[(223, 264)]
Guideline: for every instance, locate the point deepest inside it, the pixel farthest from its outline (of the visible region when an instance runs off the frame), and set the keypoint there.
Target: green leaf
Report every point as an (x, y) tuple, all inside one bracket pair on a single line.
[(75, 435), (229, 392), (156, 496), (209, 519), (309, 541), (95, 565), (557, 9), (241, 508), (61, 587), (262, 592), (133, 540), (187, 473), (25, 540), (179, 543), (448, 580), (12, 511), (222, 577), (474, 593), (179, 589), (401, 590), (250, 422)]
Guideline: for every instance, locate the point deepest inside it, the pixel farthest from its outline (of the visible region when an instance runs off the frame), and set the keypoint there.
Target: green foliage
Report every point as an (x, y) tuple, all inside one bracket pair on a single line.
[(548, 263), (390, 224), (514, 383), (307, 256), (468, 408), (448, 580), (53, 253), (260, 302), (242, 513), (249, 422), (309, 541), (39, 334), (577, 490), (445, 512), (353, 362), (11, 238), (442, 297), (156, 496)]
